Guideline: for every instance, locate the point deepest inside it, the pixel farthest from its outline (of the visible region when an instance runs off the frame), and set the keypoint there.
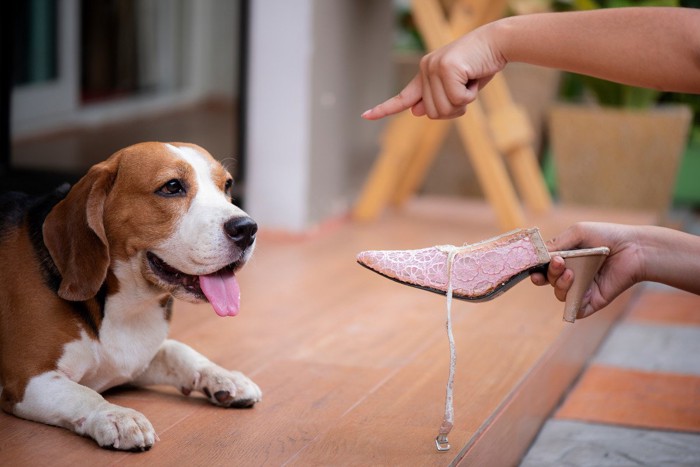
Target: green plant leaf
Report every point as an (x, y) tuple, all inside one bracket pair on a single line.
[(585, 5)]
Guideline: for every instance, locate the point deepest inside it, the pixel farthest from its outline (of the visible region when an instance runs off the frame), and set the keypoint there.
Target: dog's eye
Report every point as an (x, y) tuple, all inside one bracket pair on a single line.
[(172, 187), (228, 186)]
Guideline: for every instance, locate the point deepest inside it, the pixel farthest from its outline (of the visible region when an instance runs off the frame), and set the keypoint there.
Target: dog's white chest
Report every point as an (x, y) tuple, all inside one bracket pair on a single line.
[(129, 337)]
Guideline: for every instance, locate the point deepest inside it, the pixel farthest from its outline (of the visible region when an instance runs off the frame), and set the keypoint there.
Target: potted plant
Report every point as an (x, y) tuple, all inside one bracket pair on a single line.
[(615, 145)]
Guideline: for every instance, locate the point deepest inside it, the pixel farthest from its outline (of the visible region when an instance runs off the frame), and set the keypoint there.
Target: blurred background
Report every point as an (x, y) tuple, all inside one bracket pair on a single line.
[(90, 77), (275, 89)]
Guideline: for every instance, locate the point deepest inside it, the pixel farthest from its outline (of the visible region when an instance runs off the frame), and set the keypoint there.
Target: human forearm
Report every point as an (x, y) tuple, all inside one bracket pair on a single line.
[(650, 47), (670, 257)]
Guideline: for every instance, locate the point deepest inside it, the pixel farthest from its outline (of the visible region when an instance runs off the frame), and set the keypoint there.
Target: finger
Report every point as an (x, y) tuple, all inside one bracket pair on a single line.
[(556, 268), (443, 106), (418, 110), (564, 281), (539, 279), (563, 284), (568, 239), (460, 94), (407, 98), (472, 89), (587, 308), (427, 97)]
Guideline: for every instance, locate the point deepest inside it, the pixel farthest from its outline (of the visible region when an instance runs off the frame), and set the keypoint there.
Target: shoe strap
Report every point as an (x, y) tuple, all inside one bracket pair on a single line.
[(454, 249), (441, 441)]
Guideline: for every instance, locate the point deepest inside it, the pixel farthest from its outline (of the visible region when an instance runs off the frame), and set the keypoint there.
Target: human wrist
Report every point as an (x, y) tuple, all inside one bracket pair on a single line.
[(668, 256), (647, 251), (499, 37)]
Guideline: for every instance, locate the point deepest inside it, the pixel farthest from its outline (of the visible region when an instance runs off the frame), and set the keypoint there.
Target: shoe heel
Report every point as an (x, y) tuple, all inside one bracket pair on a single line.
[(585, 264)]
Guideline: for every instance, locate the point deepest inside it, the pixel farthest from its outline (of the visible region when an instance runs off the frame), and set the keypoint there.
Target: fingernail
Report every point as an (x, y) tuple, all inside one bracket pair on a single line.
[(365, 113)]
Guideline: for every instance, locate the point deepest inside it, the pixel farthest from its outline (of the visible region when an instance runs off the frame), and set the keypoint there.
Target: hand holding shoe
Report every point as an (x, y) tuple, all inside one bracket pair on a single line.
[(637, 254)]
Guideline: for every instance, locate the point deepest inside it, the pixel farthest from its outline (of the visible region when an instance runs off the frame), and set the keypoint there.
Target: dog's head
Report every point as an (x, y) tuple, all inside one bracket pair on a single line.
[(154, 212)]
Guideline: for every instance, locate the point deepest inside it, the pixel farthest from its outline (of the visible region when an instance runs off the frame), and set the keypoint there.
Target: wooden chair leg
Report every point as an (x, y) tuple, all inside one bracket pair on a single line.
[(512, 135), (398, 145), (489, 168), (428, 147)]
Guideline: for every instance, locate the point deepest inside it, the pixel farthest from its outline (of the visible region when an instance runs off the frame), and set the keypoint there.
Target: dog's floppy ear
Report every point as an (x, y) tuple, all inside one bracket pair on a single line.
[(75, 236)]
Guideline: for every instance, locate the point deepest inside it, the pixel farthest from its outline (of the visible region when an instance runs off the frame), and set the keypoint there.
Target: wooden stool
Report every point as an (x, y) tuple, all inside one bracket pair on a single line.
[(498, 127)]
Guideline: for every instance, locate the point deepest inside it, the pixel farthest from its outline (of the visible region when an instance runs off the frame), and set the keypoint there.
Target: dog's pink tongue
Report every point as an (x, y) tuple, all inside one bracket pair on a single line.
[(222, 291)]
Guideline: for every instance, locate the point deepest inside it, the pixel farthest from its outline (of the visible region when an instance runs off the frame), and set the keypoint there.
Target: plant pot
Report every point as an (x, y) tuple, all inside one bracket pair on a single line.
[(618, 158)]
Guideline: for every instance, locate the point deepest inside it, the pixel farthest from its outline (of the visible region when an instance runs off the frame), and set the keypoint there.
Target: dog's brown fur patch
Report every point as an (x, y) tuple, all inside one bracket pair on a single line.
[(134, 216), (26, 349)]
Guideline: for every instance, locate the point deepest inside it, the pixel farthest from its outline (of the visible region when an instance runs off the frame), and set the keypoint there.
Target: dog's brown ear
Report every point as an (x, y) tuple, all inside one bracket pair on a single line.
[(75, 236)]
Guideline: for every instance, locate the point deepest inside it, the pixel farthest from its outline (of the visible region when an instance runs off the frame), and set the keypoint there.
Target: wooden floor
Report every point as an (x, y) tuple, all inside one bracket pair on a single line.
[(353, 366)]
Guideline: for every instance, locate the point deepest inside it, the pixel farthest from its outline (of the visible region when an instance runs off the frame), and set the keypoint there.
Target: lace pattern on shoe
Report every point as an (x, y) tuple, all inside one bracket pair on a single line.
[(480, 272)]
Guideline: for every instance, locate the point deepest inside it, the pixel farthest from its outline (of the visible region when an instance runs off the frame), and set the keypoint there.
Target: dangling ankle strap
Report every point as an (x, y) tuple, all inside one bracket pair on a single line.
[(441, 442)]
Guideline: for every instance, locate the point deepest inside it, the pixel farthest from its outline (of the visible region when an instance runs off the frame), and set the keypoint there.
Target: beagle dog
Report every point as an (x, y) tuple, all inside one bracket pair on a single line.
[(87, 279)]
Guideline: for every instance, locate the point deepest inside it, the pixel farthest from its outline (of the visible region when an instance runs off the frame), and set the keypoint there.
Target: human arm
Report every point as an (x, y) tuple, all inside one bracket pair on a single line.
[(642, 46), (637, 254)]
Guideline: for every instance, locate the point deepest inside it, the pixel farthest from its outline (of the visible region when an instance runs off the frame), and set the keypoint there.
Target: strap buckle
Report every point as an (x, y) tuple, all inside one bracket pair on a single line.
[(441, 442)]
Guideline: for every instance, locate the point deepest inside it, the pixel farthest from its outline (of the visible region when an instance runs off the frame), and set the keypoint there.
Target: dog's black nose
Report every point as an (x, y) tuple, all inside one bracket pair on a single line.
[(241, 230)]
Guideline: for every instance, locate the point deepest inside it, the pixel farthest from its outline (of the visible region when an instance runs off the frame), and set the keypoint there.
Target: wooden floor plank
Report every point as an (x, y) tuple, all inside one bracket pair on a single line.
[(27, 443), (352, 366), (634, 398), (301, 401)]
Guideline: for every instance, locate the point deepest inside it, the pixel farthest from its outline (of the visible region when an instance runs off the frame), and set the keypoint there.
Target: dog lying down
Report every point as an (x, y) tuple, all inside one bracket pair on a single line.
[(87, 279)]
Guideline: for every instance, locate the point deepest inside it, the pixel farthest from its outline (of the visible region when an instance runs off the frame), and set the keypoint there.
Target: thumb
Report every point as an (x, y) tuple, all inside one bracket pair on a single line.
[(418, 110), (567, 240)]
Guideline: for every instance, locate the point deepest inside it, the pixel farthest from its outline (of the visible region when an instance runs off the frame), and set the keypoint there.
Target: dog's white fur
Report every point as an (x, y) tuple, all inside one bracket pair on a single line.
[(208, 211)]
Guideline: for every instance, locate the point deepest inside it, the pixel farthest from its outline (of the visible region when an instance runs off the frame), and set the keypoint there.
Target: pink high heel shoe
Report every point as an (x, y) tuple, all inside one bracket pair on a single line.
[(479, 272), (482, 271)]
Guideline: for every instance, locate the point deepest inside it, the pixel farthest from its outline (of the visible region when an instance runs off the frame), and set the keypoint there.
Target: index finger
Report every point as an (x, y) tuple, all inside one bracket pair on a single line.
[(407, 98)]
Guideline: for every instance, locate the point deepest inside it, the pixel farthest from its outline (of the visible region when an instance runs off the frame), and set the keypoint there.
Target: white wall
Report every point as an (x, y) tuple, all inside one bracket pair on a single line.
[(278, 131), (315, 65)]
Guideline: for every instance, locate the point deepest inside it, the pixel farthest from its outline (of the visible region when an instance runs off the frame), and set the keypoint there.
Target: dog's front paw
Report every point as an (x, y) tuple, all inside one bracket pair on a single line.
[(227, 388), (116, 427)]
